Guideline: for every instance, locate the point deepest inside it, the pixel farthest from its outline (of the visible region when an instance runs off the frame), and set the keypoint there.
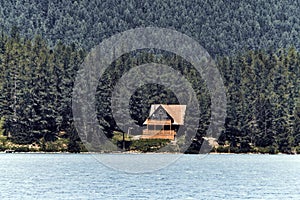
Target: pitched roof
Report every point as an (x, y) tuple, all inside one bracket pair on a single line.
[(177, 112)]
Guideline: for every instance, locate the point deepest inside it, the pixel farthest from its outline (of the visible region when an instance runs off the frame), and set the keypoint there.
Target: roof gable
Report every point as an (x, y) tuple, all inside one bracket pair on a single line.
[(176, 112), (160, 114)]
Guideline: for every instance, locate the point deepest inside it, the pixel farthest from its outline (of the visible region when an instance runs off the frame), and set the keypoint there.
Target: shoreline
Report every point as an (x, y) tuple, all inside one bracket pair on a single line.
[(140, 153)]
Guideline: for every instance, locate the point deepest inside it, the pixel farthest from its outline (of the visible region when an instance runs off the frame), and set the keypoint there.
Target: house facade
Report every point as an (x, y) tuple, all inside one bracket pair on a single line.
[(164, 121)]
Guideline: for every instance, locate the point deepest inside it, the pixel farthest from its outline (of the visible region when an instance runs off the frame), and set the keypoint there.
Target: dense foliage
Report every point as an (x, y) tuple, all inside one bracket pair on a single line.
[(262, 91), (36, 88), (149, 145), (263, 99), (256, 45), (221, 26)]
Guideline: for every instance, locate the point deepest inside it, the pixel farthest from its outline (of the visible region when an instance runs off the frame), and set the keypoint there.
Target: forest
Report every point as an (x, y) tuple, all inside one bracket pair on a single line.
[(255, 45), (222, 27)]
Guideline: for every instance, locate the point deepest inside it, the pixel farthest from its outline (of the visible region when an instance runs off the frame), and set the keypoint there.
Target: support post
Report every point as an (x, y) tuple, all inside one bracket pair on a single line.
[(170, 127), (123, 141)]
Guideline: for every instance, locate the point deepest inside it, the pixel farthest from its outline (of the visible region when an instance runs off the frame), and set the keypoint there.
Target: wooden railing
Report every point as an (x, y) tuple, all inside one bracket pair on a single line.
[(158, 122), (158, 134)]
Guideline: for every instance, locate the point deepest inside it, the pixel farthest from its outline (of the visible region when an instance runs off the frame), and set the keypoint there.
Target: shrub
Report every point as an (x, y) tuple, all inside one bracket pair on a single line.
[(148, 145), (22, 149), (297, 149), (2, 147), (268, 150), (222, 149)]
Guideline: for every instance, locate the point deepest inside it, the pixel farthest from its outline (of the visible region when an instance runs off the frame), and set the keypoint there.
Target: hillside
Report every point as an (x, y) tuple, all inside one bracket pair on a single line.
[(255, 44), (223, 27)]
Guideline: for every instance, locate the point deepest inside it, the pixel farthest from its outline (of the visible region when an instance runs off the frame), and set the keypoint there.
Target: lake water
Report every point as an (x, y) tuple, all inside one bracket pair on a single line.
[(82, 176)]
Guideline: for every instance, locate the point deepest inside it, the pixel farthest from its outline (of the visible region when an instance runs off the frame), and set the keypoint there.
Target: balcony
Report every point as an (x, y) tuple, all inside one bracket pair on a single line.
[(158, 134)]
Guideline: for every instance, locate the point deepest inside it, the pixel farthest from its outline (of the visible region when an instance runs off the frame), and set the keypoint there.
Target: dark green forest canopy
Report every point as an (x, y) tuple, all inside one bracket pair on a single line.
[(223, 27), (255, 44), (262, 90)]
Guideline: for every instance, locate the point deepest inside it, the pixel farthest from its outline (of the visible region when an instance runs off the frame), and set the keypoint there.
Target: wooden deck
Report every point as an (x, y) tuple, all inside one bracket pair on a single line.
[(158, 134)]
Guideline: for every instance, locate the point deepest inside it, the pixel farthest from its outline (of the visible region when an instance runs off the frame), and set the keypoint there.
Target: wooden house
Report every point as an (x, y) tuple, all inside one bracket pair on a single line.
[(164, 121)]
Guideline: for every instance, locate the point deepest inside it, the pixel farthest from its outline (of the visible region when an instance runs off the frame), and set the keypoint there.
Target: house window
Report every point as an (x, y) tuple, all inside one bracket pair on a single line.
[(161, 113)]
